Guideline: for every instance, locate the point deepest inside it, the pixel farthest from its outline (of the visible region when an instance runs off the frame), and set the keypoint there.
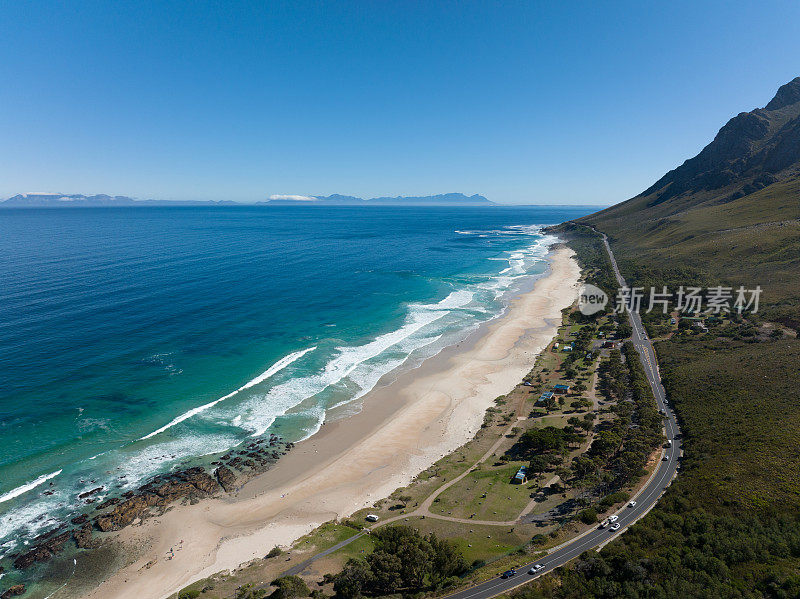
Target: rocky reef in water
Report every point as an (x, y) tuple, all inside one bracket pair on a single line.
[(188, 485)]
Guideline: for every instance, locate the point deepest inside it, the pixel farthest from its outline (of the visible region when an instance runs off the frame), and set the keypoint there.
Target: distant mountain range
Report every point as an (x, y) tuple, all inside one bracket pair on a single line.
[(77, 200), (58, 200), (444, 199)]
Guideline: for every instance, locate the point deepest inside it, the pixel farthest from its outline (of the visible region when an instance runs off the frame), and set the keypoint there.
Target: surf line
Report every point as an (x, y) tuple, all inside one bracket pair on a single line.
[(28, 486), (272, 370)]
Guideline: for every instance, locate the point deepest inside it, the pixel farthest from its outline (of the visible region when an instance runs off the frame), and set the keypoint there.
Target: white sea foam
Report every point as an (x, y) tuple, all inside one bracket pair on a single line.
[(519, 261), (271, 371), (141, 464), (356, 368), (28, 486), (32, 517)]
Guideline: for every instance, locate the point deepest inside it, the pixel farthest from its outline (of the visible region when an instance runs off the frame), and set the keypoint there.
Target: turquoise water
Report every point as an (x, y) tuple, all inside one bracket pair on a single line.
[(134, 339)]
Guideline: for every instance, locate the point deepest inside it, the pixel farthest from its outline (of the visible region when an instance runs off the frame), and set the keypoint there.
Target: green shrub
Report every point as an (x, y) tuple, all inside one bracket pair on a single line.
[(539, 539), (290, 587), (609, 500)]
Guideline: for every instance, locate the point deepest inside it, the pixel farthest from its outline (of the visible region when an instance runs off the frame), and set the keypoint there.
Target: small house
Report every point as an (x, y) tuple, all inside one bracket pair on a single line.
[(545, 397), (521, 477), (561, 388), (609, 344)]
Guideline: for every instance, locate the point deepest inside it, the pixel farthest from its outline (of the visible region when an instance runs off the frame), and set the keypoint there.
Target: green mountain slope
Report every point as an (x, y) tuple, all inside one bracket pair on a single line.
[(729, 525), (731, 213)]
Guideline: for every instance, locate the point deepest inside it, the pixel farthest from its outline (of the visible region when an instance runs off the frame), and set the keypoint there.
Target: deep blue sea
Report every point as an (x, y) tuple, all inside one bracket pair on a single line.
[(133, 339)]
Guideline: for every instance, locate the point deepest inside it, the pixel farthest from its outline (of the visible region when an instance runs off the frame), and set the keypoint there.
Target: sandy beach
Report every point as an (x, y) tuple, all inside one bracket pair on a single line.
[(352, 462)]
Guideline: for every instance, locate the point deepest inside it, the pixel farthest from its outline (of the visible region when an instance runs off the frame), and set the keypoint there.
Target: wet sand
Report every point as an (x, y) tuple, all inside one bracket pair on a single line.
[(402, 429)]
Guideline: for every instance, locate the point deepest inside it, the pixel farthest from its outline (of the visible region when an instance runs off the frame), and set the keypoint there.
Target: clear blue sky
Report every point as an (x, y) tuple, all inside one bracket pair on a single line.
[(567, 102)]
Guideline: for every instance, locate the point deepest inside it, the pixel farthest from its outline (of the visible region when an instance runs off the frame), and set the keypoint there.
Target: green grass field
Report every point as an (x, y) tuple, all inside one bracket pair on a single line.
[(487, 493)]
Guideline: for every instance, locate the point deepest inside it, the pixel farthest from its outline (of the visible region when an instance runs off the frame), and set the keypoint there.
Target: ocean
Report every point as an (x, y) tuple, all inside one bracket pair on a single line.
[(137, 340)]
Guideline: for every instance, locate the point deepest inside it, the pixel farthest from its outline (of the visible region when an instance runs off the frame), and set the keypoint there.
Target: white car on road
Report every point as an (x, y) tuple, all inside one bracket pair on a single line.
[(535, 569), (632, 504), (615, 526), (613, 518)]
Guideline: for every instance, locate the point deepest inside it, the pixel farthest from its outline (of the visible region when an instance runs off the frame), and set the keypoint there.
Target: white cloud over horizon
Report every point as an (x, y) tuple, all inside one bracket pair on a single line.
[(292, 197)]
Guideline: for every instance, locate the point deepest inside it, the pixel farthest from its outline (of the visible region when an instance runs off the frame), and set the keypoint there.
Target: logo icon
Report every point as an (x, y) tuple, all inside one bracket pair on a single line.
[(591, 299)]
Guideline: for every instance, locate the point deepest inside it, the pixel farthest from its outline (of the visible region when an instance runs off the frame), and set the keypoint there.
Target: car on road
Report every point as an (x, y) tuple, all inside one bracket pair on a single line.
[(614, 526), (535, 569), (603, 524), (613, 518), (509, 573), (665, 458), (632, 504)]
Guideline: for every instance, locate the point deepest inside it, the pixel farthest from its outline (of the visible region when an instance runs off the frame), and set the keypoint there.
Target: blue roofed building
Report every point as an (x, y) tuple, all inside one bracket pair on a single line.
[(521, 477)]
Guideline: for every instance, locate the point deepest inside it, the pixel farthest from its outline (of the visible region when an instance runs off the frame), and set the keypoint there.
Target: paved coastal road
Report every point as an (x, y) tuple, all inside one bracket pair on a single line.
[(645, 499)]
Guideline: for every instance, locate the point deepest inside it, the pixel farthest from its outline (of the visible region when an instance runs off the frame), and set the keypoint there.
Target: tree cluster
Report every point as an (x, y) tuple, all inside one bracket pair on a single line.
[(403, 561)]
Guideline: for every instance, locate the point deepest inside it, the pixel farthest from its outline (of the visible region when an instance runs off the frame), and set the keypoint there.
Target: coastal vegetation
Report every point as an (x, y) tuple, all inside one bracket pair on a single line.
[(729, 525), (403, 560)]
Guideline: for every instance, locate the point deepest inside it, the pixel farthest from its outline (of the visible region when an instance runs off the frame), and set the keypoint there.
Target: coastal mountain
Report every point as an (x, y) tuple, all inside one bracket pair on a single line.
[(736, 206), (445, 199), (754, 150), (77, 200), (728, 217)]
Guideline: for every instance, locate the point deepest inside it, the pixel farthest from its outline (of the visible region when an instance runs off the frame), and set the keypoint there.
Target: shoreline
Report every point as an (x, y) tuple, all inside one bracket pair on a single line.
[(423, 414)]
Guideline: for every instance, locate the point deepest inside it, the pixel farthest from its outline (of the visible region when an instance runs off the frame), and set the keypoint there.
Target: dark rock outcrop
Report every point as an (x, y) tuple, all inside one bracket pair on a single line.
[(107, 503), (83, 536), (226, 478), (15, 591), (153, 497), (126, 512), (787, 94), (90, 493), (44, 548), (193, 483)]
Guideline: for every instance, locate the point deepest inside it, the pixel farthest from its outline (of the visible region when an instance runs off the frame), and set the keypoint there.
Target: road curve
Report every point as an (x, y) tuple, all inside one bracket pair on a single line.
[(645, 499)]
